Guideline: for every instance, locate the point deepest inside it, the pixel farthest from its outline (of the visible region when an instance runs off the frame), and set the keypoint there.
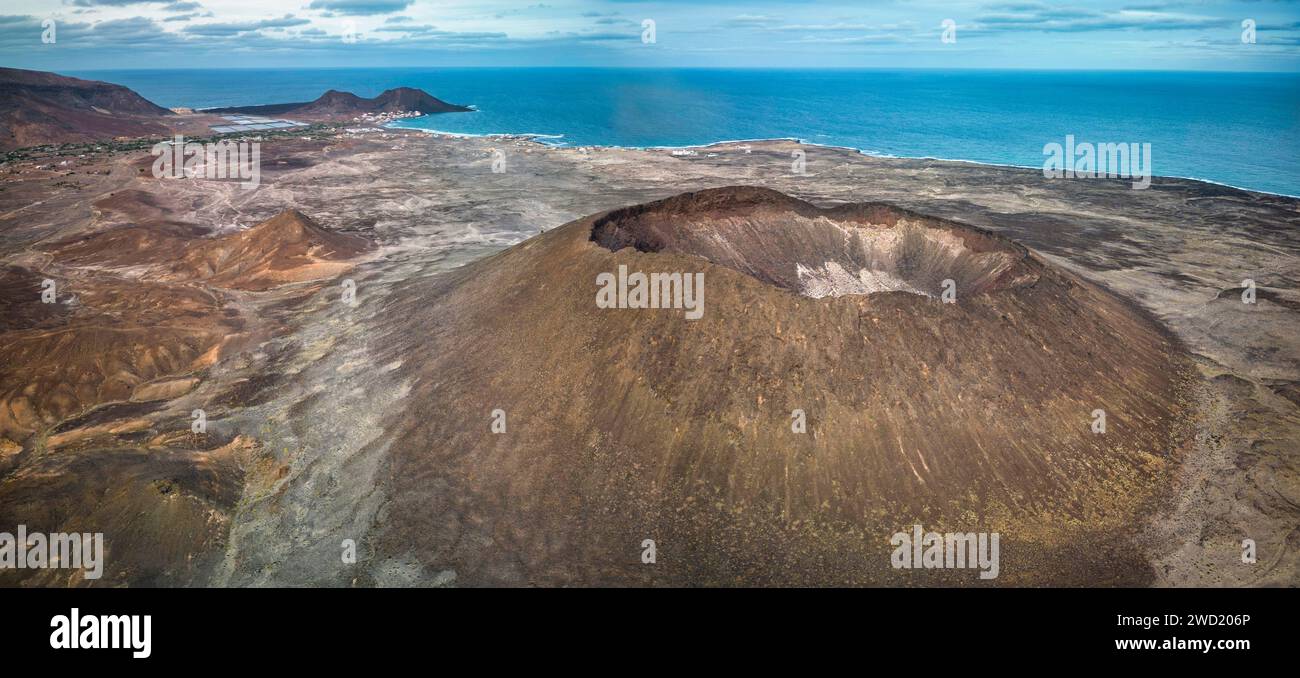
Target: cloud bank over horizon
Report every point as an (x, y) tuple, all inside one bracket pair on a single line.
[(83, 35)]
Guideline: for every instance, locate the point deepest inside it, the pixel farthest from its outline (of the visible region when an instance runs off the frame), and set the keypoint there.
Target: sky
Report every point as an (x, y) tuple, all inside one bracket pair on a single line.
[(1011, 34)]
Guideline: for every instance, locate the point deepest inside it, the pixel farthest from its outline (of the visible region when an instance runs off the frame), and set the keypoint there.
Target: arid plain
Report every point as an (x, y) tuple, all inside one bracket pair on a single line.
[(328, 420)]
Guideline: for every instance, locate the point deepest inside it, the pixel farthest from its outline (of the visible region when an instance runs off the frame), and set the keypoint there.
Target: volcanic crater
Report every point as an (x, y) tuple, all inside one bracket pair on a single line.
[(631, 424), (854, 249)]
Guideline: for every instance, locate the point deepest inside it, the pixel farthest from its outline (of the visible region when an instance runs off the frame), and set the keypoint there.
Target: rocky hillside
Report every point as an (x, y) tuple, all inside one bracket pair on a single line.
[(44, 108)]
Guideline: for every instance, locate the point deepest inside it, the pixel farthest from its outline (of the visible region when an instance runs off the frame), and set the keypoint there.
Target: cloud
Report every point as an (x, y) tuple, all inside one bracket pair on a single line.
[(19, 33), (1033, 16), (692, 33), (431, 33), (167, 5), (615, 21), (235, 28), (821, 28), (404, 28), (522, 10), (877, 39), (360, 7), (109, 3), (752, 21)]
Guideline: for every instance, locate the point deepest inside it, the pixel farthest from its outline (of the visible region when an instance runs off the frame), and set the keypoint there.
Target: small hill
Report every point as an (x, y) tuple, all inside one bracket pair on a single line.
[(288, 247), (410, 99)]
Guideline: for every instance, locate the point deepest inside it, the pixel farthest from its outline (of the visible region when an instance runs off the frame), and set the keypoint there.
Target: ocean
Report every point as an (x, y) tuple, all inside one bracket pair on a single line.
[(1239, 129)]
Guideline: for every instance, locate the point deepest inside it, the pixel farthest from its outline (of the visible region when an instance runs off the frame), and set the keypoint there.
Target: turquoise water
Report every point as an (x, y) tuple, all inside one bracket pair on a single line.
[(1240, 129)]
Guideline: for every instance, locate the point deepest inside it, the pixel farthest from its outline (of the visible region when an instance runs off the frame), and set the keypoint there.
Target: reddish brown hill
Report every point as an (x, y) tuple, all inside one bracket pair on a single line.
[(43, 108), (288, 247)]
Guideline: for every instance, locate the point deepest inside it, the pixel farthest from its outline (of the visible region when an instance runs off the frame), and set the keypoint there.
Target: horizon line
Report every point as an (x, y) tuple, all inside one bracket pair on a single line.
[(687, 68)]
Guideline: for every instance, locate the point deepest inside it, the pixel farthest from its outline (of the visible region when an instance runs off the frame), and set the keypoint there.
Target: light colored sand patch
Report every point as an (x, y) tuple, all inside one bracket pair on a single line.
[(832, 280), (163, 390)]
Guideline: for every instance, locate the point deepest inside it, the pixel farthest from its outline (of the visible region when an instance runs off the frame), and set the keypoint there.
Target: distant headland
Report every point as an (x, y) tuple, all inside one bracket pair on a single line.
[(39, 108), (334, 104)]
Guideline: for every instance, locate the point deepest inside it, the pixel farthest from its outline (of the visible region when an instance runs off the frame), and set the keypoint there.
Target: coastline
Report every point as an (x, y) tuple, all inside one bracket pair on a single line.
[(802, 142)]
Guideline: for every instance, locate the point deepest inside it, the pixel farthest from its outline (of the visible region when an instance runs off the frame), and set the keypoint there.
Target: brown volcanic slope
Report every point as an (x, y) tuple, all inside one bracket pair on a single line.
[(96, 390), (130, 314), (625, 425), (111, 338), (44, 108), (286, 248), (334, 104)]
